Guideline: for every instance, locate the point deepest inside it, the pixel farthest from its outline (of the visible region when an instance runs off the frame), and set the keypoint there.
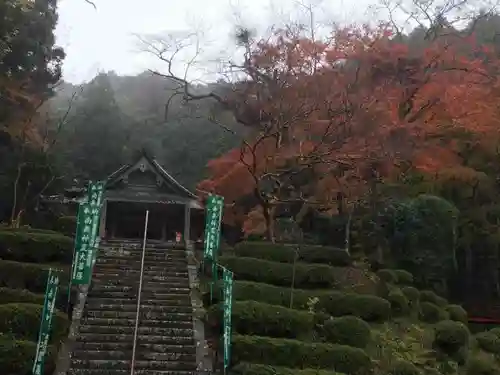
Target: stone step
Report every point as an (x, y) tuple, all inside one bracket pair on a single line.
[(139, 364), (166, 284), (123, 276), (163, 309), (139, 355), (126, 291), (137, 251), (167, 329), (170, 300), (82, 371), (115, 325), (157, 267), (128, 338), (141, 346), (145, 315)]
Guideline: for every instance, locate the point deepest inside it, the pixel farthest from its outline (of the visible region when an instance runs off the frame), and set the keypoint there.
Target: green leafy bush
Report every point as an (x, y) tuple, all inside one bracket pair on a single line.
[(482, 366), (274, 295), (432, 313), (256, 369), (402, 367), (430, 296), (412, 294), (298, 354), (261, 319), (16, 356), (489, 342), (286, 253), (399, 303), (307, 276), (451, 336), (403, 277), (8, 295), (347, 330), (22, 321), (457, 313), (35, 247), (367, 307), (387, 275), (67, 225), (29, 276)]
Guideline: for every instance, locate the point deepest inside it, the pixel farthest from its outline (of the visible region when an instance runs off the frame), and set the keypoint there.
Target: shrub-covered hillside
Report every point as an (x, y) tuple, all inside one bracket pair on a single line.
[(25, 257), (341, 318)]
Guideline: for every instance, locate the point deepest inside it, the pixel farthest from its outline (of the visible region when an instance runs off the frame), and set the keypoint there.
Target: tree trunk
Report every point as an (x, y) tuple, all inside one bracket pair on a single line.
[(14, 198), (269, 217)]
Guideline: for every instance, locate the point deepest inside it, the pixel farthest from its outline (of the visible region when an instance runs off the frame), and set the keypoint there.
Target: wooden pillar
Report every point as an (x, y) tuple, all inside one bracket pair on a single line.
[(102, 224), (164, 229), (187, 225)]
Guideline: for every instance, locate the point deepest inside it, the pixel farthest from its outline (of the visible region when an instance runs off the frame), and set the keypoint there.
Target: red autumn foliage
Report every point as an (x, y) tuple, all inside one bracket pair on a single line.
[(347, 107)]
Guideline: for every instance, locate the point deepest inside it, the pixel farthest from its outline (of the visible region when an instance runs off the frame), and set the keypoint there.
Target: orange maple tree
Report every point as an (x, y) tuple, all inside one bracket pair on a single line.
[(326, 116)]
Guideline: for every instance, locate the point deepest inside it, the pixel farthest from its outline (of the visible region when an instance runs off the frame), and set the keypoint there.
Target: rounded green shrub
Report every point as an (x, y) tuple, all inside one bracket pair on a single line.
[(403, 277), (16, 356), (429, 296), (411, 293), (495, 331), (29, 276), (482, 366), (451, 336), (258, 369), (307, 276), (430, 313), (367, 307), (261, 319), (489, 342), (347, 330), (8, 295), (22, 321), (35, 247), (299, 354), (399, 303), (284, 253), (387, 275), (457, 313), (402, 367)]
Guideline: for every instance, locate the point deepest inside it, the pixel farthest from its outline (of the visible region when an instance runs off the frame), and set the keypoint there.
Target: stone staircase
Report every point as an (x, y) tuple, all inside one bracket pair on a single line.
[(165, 343)]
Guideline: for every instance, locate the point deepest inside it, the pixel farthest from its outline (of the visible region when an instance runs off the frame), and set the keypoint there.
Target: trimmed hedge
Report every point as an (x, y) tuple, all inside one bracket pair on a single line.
[(347, 330), (261, 319), (489, 342), (482, 366), (403, 277), (367, 307), (35, 247), (450, 336), (307, 276), (22, 321), (431, 313), (387, 275), (402, 367), (29, 276), (256, 369), (457, 313), (430, 296), (399, 302), (298, 354), (8, 295), (16, 356), (284, 253), (412, 294)]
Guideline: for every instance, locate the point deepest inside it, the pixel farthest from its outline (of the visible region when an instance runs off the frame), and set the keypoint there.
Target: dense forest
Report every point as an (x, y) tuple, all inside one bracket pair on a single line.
[(367, 138)]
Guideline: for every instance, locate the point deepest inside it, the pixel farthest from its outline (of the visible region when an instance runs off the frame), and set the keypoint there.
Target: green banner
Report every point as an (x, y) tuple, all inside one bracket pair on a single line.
[(227, 277), (87, 236), (213, 218), (46, 322)]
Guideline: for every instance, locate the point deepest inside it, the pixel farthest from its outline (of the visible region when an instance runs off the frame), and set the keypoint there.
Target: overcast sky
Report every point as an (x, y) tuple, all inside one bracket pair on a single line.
[(103, 39)]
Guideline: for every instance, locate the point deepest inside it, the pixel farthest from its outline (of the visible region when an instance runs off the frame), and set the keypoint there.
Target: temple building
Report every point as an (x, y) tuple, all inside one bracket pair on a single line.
[(144, 186)]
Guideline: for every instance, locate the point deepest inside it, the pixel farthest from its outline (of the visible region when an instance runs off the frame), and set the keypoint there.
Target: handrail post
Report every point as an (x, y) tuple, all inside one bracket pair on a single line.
[(132, 363)]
